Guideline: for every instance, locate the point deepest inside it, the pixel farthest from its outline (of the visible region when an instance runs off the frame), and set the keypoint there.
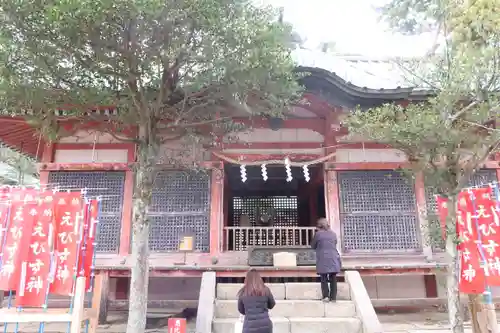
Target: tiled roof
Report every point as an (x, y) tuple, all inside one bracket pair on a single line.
[(363, 72), (11, 176)]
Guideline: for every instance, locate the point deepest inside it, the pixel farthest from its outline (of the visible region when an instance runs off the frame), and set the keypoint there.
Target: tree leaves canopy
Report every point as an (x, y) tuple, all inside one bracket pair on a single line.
[(184, 61), (453, 133)]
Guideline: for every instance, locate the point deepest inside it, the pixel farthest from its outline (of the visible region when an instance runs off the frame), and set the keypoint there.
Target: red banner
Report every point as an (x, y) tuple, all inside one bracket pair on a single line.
[(463, 226), (36, 281), (478, 227), (486, 221), (47, 239), (87, 250), (4, 212), (4, 208), (176, 325), (68, 219), (23, 211), (472, 279)]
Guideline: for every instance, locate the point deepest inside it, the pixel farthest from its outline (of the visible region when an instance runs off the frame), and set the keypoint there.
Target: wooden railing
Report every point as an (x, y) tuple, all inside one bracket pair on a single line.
[(240, 238)]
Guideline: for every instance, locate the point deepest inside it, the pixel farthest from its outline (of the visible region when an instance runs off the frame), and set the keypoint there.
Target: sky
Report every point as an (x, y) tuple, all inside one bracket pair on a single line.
[(353, 25)]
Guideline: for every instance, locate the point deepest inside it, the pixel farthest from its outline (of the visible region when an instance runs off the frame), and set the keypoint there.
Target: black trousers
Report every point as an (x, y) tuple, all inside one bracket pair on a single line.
[(329, 285)]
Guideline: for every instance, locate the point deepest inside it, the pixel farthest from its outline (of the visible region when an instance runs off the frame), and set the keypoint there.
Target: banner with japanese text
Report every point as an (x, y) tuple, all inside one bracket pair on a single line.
[(485, 219), (463, 232), (38, 265), (68, 219), (4, 209), (16, 243), (478, 228), (86, 262)]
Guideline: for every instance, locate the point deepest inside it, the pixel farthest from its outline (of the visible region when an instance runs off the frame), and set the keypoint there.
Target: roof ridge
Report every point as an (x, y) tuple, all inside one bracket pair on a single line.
[(362, 57)]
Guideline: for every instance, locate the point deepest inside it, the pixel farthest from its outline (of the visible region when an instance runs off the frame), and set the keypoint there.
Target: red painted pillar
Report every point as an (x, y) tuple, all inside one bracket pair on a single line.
[(47, 157), (216, 210), (126, 230), (128, 197), (333, 204)]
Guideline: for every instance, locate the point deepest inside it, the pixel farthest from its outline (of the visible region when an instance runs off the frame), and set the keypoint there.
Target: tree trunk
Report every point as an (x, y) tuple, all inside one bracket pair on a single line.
[(138, 297), (475, 309), (454, 313)]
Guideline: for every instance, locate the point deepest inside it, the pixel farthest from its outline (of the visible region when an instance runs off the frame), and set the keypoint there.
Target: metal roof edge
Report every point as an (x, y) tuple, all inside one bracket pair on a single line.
[(364, 92)]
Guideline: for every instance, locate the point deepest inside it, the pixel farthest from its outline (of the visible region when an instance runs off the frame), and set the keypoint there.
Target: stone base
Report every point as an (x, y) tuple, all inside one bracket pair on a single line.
[(290, 308), (285, 259), (325, 325), (263, 255), (226, 325), (281, 291)]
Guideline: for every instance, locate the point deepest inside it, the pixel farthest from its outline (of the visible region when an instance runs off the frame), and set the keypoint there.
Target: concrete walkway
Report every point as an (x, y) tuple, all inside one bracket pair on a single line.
[(422, 322), (428, 322)]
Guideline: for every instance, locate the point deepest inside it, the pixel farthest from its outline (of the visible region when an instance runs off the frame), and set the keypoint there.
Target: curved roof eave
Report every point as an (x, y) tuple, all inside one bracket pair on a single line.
[(364, 92)]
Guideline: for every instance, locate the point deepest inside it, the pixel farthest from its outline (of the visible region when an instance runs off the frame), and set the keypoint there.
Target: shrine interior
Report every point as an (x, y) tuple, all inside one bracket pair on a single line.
[(272, 212)]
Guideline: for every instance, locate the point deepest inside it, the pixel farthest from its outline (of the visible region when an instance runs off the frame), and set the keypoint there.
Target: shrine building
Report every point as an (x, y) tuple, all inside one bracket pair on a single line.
[(378, 215)]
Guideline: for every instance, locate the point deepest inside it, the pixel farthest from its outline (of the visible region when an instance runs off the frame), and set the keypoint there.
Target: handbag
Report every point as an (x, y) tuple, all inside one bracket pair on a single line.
[(238, 325)]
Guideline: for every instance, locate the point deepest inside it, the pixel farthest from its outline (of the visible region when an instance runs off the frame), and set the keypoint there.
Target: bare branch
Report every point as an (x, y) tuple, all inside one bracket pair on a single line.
[(463, 111)]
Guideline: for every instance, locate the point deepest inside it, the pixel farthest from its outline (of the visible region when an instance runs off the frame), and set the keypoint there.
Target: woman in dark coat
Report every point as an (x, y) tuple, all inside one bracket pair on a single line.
[(254, 302), (328, 263)]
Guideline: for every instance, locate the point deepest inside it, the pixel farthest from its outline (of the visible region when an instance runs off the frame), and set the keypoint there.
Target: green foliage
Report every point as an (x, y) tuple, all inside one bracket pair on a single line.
[(170, 66), (412, 16), (450, 135), (16, 168)]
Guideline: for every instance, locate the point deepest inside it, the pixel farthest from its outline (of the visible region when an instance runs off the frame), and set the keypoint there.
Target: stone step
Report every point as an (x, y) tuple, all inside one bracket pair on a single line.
[(325, 325), (281, 291), (297, 325), (290, 308)]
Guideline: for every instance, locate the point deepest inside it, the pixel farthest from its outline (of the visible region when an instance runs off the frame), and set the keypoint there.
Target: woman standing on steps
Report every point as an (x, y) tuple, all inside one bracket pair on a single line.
[(328, 263), (254, 302)]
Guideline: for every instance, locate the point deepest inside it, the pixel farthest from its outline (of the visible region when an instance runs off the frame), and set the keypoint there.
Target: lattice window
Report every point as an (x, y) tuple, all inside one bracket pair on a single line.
[(109, 185), (378, 211), (286, 215), (480, 178), (180, 204)]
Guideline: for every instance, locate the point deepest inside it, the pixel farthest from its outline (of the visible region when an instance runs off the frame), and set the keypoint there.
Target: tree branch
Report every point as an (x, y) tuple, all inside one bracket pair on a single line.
[(463, 111)]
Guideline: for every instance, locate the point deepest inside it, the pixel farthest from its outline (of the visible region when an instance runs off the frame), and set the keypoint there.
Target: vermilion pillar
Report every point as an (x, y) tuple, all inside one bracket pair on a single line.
[(47, 157), (333, 204)]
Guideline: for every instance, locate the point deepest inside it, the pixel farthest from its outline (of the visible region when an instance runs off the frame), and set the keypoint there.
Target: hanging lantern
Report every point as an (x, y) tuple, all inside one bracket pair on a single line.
[(288, 170), (264, 172), (243, 172), (307, 177)]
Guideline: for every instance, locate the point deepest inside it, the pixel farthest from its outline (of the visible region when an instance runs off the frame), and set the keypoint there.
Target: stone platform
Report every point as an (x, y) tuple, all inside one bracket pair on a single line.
[(298, 309), (420, 322)]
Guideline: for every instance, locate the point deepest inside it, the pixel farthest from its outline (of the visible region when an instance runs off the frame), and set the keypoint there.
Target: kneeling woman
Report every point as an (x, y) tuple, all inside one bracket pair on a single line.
[(328, 262), (254, 302)]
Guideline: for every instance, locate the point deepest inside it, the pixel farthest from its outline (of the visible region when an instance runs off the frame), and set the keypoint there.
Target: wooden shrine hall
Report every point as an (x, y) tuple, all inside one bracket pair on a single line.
[(377, 214)]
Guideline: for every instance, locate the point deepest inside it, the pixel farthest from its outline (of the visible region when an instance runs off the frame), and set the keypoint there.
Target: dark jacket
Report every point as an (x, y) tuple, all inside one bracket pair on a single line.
[(255, 309), (327, 256)]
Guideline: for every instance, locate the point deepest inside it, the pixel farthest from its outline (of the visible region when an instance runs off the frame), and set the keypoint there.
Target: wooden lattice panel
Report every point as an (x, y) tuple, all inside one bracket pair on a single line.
[(180, 204), (480, 178), (286, 215), (378, 212), (109, 185)]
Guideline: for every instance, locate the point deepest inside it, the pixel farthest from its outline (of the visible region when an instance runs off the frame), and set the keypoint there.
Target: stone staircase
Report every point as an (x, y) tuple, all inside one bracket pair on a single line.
[(298, 309)]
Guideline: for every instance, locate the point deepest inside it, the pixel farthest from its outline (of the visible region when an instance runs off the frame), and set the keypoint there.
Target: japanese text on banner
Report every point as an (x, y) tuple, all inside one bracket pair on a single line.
[(472, 278), (68, 217), (23, 212), (88, 245), (36, 282), (485, 219)]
